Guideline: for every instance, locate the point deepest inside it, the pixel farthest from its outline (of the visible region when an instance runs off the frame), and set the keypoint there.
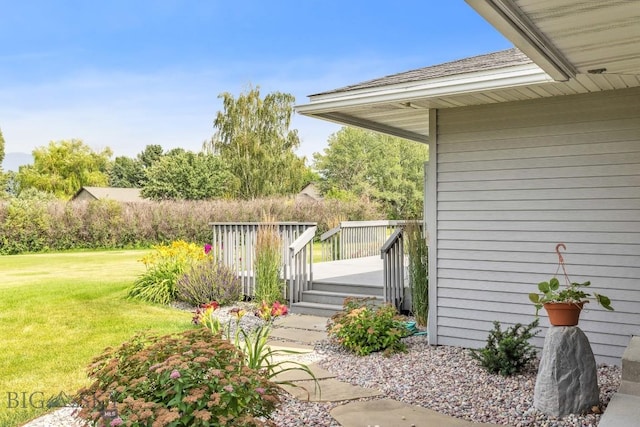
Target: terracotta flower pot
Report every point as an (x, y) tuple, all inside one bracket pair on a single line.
[(564, 313)]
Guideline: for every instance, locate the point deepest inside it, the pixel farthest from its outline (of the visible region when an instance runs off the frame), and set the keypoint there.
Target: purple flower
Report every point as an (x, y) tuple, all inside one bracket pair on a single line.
[(175, 374), (116, 422), (207, 248), (260, 390), (228, 388)]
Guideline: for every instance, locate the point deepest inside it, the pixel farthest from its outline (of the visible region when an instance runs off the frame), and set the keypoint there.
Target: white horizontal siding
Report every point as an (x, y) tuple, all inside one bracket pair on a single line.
[(513, 180)]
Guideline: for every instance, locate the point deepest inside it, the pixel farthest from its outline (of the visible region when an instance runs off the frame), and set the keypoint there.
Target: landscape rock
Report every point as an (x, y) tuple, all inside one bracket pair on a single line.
[(567, 381)]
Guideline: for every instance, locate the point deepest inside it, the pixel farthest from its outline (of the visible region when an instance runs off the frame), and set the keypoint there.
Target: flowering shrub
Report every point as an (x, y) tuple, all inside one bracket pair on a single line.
[(268, 312), (209, 281), (165, 264), (194, 378), (364, 328)]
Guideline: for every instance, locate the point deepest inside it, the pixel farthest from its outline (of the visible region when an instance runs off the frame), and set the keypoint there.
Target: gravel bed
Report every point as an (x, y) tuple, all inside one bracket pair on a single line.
[(447, 380)]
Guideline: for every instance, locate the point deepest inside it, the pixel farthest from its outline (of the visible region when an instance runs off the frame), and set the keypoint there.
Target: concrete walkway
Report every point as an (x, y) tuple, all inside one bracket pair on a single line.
[(299, 332)]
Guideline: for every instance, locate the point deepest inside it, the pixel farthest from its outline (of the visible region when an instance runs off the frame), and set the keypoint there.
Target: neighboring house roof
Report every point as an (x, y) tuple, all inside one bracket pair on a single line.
[(585, 47), (309, 192), (112, 193)]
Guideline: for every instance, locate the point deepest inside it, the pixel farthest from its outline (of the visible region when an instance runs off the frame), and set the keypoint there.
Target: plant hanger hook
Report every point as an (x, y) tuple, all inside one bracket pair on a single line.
[(561, 260)]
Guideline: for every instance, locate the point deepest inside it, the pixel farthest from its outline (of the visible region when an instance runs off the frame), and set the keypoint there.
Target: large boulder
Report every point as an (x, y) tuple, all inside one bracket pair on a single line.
[(567, 381)]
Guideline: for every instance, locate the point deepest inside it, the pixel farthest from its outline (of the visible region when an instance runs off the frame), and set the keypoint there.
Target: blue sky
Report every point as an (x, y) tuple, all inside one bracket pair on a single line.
[(125, 74)]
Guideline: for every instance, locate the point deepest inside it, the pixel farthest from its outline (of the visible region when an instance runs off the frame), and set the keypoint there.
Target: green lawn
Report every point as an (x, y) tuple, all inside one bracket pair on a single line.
[(59, 311)]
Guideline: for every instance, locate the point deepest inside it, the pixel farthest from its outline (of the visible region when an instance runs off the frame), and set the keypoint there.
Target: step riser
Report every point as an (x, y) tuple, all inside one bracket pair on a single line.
[(332, 299), (312, 311), (348, 289), (323, 299)]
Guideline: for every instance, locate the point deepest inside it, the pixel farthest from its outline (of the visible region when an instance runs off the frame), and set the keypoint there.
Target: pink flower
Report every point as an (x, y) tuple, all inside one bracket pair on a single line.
[(228, 388), (279, 309), (207, 248), (175, 374), (116, 422), (260, 390)]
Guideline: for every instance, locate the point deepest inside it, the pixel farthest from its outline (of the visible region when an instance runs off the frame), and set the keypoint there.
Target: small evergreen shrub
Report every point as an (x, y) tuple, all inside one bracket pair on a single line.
[(164, 266), (194, 378), (507, 352), (363, 328), (209, 281)]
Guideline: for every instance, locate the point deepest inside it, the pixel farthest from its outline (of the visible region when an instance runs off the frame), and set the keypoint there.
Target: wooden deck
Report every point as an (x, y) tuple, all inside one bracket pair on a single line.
[(356, 271)]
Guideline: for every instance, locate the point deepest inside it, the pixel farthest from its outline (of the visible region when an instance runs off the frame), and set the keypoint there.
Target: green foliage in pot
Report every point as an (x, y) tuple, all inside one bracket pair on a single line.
[(551, 292), (572, 292)]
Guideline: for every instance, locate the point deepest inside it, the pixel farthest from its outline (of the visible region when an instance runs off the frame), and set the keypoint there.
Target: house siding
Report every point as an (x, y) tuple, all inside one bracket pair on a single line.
[(515, 179)]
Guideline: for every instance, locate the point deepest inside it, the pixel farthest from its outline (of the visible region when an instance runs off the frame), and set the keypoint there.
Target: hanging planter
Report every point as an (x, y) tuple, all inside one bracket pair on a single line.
[(564, 313), (563, 304)]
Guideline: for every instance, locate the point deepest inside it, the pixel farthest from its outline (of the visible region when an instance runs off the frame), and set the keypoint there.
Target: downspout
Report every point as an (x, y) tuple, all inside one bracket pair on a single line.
[(431, 223)]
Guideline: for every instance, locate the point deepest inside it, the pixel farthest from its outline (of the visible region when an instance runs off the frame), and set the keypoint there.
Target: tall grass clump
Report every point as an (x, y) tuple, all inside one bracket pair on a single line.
[(269, 286), (164, 266), (418, 271)]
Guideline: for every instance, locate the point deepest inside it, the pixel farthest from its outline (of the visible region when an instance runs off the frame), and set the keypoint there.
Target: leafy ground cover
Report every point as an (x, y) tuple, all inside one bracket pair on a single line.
[(57, 312)]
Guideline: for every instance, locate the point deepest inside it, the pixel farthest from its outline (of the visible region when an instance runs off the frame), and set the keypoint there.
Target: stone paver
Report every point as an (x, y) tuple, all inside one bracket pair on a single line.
[(298, 375), (330, 390), (288, 345), (391, 413), (306, 337), (312, 323)]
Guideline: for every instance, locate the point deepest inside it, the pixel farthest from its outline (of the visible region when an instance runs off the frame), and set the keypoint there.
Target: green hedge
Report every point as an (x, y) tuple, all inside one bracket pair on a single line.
[(36, 225)]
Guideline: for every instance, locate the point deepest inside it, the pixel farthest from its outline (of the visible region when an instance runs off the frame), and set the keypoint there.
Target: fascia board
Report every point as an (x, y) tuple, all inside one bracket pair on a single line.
[(521, 75), (506, 17)]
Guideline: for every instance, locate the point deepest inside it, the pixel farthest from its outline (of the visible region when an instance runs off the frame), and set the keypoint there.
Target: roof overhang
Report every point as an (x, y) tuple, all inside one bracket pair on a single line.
[(510, 20), (570, 37), (573, 47), (388, 109)]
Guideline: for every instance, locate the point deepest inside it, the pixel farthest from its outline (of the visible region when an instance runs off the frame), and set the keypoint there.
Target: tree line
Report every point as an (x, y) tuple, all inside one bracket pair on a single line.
[(250, 155)]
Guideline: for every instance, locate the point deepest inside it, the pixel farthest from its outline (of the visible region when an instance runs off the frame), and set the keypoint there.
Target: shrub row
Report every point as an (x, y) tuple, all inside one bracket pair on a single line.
[(36, 225)]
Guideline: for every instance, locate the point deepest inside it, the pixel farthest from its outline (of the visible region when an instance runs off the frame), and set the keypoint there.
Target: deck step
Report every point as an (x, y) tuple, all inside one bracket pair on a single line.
[(334, 298), (314, 309), (624, 408), (348, 288)]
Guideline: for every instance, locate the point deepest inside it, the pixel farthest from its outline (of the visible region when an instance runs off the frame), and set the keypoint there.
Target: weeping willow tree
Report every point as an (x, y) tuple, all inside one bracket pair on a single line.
[(254, 140)]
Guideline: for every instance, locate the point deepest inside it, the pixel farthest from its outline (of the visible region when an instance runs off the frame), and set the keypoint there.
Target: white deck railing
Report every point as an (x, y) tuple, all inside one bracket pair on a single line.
[(355, 239), (394, 262), (233, 244), (392, 254), (301, 265)]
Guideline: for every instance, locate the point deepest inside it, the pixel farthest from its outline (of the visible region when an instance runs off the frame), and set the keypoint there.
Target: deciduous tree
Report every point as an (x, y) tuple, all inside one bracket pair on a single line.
[(253, 138), (127, 172), (369, 164), (63, 167), (4, 178), (186, 175), (1, 150)]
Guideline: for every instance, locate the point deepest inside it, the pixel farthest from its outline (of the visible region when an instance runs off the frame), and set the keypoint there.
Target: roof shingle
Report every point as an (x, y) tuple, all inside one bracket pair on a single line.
[(501, 59)]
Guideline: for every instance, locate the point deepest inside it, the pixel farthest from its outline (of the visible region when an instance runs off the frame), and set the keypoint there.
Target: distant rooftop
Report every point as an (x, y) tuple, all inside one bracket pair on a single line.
[(112, 193)]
